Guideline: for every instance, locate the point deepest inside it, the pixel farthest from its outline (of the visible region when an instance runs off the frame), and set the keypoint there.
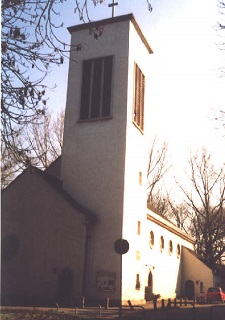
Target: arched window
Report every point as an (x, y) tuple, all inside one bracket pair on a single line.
[(178, 250), (161, 243), (139, 227), (170, 247), (151, 239)]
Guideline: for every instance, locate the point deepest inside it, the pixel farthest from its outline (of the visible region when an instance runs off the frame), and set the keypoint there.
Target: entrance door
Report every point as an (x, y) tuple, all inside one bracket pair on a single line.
[(148, 289), (150, 281), (189, 289), (65, 285)]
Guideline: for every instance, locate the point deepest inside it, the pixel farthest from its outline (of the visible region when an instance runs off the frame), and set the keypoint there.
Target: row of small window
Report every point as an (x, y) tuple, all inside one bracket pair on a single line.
[(161, 241), (162, 244), (96, 91), (170, 249)]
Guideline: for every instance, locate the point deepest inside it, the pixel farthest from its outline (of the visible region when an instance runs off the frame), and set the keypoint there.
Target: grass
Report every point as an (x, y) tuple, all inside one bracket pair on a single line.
[(13, 314)]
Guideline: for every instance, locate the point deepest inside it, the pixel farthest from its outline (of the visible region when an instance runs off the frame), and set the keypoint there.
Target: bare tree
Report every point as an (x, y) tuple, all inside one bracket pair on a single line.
[(220, 114), (178, 213), (31, 44), (9, 167), (45, 143), (45, 140), (157, 168), (221, 23), (206, 202)]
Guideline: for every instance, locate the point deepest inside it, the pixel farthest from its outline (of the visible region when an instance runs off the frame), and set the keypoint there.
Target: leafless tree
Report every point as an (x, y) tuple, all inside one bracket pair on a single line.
[(45, 140), (31, 44), (221, 23), (9, 167), (206, 201), (45, 143), (157, 168), (178, 213), (220, 114)]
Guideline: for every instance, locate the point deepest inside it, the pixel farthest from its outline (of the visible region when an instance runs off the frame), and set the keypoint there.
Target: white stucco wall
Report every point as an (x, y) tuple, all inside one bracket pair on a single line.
[(101, 162), (166, 268), (136, 160), (93, 157)]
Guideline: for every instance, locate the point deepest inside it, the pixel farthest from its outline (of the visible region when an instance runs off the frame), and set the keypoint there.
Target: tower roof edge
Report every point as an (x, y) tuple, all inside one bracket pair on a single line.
[(97, 24)]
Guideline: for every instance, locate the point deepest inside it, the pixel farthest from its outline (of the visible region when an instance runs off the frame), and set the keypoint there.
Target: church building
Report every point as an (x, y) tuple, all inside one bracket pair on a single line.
[(82, 228)]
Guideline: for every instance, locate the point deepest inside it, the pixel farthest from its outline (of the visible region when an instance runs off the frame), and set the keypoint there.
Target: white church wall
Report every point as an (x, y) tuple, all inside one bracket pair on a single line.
[(165, 264), (97, 147), (93, 157), (102, 164), (135, 192)]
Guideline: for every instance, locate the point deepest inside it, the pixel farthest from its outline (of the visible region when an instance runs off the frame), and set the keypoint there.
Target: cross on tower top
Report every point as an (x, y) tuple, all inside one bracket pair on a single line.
[(112, 5)]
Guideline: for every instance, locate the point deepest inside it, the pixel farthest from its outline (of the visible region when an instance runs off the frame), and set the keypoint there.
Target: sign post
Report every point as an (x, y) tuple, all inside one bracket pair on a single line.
[(121, 246)]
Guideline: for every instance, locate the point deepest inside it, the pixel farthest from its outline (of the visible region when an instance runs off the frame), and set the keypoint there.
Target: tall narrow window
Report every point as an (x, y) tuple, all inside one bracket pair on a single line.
[(138, 255), (170, 247), (178, 250), (96, 88), (138, 283), (140, 178), (139, 92), (161, 244), (151, 239), (139, 227)]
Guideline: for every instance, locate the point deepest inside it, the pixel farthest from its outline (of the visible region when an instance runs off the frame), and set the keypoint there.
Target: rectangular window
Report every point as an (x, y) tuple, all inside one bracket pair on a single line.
[(139, 92), (140, 178), (139, 227), (96, 88), (138, 284), (138, 255)]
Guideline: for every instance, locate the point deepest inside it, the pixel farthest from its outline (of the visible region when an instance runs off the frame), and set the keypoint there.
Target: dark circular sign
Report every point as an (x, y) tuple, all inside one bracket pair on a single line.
[(121, 246)]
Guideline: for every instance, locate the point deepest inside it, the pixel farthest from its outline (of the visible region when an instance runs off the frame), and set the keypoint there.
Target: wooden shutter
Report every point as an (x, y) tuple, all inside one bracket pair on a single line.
[(139, 98)]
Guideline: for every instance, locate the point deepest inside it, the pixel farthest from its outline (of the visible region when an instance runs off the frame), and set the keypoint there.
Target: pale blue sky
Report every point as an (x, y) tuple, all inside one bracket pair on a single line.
[(186, 83)]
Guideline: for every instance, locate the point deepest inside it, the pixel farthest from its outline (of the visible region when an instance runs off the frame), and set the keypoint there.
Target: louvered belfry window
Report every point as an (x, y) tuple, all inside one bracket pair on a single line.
[(138, 115), (96, 88)]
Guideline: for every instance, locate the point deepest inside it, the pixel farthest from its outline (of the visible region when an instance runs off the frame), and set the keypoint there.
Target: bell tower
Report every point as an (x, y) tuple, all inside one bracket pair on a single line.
[(104, 158)]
